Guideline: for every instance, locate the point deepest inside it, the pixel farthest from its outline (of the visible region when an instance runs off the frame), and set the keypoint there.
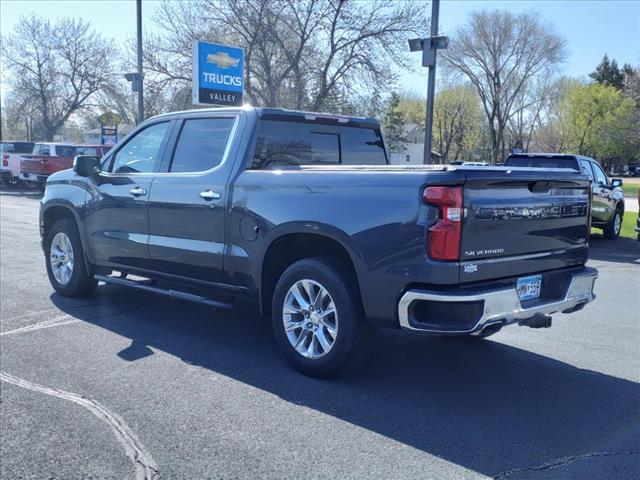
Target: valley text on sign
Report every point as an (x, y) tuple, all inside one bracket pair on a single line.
[(217, 74)]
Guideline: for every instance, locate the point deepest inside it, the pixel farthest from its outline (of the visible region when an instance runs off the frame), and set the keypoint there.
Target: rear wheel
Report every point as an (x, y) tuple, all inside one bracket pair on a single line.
[(65, 260), (317, 317), (612, 229)]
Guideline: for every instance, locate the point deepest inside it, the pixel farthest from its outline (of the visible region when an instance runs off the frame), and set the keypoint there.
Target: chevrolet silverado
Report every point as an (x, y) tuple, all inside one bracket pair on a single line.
[(301, 212)]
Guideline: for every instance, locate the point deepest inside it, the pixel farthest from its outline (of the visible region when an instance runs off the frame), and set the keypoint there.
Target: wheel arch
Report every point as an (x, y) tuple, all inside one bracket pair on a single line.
[(292, 246), (52, 212)]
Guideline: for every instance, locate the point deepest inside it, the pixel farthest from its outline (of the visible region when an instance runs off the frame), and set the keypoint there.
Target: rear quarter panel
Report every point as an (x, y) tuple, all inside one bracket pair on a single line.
[(378, 217)]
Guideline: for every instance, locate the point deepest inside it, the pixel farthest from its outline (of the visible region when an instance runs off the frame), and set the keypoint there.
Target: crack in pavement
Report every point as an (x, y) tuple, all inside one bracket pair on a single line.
[(145, 467), (561, 462)]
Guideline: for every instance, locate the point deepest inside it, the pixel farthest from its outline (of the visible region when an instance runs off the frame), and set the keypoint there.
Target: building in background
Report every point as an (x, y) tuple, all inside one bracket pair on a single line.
[(412, 152)]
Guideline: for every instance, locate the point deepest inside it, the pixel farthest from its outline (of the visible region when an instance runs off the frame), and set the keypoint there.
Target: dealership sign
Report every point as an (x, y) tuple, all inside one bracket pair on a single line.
[(217, 74)]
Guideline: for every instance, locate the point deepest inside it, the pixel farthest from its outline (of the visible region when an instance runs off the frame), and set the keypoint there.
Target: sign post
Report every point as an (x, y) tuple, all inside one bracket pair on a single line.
[(217, 74), (109, 122)]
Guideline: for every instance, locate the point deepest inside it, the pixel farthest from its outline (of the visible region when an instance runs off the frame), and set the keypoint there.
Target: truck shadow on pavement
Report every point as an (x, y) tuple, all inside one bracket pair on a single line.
[(483, 405), (621, 250)]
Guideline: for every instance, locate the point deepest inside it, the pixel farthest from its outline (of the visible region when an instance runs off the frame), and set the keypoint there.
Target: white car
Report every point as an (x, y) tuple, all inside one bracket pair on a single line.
[(11, 153)]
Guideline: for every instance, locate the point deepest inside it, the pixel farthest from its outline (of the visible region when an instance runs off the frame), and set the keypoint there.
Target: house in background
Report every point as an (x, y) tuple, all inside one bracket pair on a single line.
[(412, 152), (94, 136)]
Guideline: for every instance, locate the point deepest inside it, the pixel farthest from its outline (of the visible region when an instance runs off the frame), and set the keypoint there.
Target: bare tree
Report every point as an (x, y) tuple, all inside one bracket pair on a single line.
[(500, 53), (57, 67), (298, 53), (528, 109)]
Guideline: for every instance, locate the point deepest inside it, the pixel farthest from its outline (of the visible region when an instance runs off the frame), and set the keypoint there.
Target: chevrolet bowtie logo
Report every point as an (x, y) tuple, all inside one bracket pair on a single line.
[(222, 60)]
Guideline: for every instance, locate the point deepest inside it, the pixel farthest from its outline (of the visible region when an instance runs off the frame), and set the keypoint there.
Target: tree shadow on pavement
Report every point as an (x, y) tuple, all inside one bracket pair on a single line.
[(483, 405)]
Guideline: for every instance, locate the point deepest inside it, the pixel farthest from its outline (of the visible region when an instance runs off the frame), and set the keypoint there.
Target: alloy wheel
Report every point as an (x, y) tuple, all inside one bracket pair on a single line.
[(61, 258), (310, 319)]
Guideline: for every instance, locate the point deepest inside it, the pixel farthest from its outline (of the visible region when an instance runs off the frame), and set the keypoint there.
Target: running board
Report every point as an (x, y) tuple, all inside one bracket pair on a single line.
[(166, 292)]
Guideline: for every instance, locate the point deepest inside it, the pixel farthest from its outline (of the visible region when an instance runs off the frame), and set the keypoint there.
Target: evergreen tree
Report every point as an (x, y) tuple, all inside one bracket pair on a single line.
[(393, 125), (608, 73)]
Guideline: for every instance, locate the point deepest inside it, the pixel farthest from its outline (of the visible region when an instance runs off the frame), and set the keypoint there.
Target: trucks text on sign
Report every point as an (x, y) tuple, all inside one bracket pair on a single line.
[(217, 74)]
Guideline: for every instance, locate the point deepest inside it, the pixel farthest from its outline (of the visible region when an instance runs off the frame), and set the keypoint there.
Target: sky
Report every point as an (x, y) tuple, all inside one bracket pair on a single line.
[(592, 28)]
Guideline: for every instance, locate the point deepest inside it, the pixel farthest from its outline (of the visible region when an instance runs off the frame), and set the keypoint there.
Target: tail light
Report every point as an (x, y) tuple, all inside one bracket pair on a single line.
[(5, 160), (444, 238)]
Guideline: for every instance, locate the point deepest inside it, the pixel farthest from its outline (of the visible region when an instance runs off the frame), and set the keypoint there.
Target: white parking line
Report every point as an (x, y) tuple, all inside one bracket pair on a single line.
[(54, 322), (144, 464)]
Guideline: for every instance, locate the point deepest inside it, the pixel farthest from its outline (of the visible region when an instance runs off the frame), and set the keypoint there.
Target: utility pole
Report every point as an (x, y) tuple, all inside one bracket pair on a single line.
[(429, 47), (140, 77), (431, 85)]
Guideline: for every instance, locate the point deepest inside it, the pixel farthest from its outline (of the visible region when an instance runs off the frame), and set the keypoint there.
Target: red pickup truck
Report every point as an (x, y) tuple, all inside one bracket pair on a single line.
[(49, 158)]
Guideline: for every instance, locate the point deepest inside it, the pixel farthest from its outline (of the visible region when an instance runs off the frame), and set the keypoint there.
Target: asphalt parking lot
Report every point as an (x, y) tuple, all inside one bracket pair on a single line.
[(124, 384)]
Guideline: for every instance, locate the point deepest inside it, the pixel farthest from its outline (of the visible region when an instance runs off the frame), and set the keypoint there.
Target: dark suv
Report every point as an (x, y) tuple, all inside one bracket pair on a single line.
[(607, 210)]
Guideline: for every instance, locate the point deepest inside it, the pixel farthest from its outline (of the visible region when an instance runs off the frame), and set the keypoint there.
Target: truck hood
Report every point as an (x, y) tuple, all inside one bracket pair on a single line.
[(62, 176)]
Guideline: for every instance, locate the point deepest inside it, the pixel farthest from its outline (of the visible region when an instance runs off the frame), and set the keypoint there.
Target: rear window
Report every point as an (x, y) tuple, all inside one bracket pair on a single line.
[(540, 161), (93, 151), (17, 147), (66, 151), (282, 144)]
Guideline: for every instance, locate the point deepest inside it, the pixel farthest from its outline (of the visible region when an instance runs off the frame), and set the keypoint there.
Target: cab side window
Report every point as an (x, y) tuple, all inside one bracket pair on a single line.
[(42, 150), (601, 177), (141, 153), (585, 167), (201, 145)]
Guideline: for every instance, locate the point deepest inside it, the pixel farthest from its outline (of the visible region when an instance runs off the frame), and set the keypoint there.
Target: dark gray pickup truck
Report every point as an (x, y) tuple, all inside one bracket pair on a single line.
[(301, 212)]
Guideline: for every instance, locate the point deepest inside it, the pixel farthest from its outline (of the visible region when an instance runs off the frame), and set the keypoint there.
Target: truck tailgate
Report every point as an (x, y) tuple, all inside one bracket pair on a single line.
[(44, 165), (526, 220)]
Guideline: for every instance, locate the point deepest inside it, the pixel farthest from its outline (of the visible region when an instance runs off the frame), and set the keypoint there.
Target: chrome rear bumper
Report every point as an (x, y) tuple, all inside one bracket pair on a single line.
[(500, 306)]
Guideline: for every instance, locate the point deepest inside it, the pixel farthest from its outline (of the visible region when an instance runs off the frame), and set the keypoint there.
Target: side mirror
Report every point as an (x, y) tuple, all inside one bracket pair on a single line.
[(87, 166), (616, 182)]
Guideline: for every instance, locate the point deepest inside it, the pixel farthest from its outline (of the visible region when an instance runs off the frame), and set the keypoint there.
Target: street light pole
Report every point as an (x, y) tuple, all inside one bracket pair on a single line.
[(431, 85), (139, 35)]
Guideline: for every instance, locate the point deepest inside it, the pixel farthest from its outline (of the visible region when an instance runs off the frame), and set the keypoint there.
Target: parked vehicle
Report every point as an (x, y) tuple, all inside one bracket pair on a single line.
[(98, 151), (11, 152), (475, 164), (607, 210), (301, 212), (48, 158), (632, 170)]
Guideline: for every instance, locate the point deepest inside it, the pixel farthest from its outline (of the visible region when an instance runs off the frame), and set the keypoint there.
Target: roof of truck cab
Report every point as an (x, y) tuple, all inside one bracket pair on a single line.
[(281, 113)]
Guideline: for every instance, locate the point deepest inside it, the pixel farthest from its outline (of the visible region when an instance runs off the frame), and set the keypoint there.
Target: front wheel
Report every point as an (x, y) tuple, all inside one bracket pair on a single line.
[(612, 229), (317, 317), (65, 260)]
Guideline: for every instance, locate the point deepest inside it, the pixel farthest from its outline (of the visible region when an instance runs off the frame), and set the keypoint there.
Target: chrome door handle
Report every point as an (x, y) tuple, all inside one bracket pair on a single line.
[(209, 195), (137, 191)]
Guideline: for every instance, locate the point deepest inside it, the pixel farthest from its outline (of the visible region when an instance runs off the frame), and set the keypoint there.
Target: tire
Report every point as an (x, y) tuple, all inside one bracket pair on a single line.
[(68, 278), (319, 353), (612, 229)]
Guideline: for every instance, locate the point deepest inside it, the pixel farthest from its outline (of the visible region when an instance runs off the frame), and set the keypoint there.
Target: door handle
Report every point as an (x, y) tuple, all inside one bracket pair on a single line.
[(137, 191), (209, 195)]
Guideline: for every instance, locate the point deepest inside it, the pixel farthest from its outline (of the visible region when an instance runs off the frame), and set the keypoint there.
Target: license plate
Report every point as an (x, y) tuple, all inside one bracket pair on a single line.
[(529, 287)]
